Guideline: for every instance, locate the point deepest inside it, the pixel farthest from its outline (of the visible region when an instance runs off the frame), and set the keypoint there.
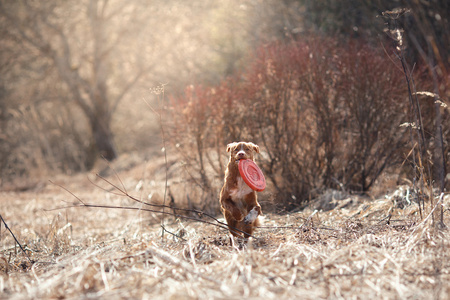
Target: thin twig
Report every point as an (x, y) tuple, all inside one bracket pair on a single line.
[(158, 91), (75, 196), (162, 206), (309, 218), (220, 224), (115, 174), (18, 243)]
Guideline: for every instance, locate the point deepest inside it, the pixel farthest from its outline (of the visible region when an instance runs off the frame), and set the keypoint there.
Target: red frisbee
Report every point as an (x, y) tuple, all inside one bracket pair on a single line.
[(252, 175)]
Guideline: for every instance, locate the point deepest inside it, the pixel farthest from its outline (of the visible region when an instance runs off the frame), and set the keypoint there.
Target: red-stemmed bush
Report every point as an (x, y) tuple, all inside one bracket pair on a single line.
[(326, 115)]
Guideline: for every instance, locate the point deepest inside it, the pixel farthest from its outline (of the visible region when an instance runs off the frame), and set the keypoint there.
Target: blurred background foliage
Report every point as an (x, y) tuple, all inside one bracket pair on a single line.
[(75, 73)]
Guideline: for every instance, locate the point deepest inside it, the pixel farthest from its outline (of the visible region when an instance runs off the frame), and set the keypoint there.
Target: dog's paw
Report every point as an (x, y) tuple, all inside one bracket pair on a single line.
[(251, 217)]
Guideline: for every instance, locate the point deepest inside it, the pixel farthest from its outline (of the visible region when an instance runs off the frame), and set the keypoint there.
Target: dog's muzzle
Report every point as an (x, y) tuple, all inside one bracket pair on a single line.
[(241, 155)]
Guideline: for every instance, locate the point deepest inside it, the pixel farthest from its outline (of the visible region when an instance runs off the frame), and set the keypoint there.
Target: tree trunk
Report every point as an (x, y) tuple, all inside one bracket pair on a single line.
[(103, 137)]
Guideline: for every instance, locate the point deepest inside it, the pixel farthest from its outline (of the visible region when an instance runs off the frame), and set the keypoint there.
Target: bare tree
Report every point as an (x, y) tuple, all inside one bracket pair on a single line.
[(90, 63), (82, 42)]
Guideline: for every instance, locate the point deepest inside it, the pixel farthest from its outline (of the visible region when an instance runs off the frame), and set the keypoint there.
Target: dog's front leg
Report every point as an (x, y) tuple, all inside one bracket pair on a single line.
[(252, 215), (253, 208), (229, 205)]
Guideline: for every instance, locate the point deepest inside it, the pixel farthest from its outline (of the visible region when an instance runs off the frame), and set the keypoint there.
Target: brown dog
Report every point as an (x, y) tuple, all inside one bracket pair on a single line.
[(238, 200)]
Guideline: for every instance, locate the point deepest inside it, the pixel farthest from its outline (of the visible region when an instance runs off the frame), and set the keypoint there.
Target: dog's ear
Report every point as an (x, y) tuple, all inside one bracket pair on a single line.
[(255, 147), (229, 146)]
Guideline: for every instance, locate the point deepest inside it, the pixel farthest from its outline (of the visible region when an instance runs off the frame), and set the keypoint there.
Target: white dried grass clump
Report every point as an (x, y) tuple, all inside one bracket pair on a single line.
[(367, 248)]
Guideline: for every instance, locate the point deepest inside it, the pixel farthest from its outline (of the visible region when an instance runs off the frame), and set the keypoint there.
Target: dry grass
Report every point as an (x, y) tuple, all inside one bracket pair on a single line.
[(354, 250)]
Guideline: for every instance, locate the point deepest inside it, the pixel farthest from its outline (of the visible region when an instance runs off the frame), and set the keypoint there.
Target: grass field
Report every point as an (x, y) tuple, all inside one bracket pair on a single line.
[(361, 249)]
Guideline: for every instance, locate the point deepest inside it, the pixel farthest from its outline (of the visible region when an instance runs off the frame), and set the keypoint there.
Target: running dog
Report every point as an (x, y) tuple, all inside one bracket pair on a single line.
[(239, 204)]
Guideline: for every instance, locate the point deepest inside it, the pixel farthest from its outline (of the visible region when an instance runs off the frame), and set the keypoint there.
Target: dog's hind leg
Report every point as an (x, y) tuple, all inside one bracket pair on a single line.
[(248, 228), (230, 207), (232, 224)]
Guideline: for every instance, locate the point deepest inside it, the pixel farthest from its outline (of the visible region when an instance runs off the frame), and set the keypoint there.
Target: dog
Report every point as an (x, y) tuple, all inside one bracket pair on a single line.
[(239, 203)]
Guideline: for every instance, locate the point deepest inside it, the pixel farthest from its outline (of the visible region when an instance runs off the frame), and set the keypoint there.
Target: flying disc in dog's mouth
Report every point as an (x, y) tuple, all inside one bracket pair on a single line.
[(252, 175)]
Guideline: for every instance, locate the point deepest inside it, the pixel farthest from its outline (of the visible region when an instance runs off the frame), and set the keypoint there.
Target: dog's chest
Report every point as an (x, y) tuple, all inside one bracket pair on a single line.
[(240, 191)]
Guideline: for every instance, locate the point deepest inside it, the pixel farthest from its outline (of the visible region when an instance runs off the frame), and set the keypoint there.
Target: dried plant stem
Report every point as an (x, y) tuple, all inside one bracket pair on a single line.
[(421, 144), (309, 218), (123, 192), (87, 205), (431, 214), (17, 241), (439, 152), (160, 91), (426, 178)]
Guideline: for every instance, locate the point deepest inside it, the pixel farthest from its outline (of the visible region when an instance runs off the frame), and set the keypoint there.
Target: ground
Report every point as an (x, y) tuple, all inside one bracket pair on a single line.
[(341, 246)]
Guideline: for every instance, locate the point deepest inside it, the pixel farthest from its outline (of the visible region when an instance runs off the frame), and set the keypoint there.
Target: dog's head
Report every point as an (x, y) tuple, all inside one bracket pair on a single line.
[(242, 150)]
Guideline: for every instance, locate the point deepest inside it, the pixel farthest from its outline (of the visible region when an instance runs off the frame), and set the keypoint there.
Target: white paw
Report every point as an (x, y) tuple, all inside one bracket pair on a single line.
[(251, 217)]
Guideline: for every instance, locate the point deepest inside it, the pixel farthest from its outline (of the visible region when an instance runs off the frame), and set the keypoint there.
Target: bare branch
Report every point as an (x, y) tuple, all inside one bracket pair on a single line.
[(216, 222)]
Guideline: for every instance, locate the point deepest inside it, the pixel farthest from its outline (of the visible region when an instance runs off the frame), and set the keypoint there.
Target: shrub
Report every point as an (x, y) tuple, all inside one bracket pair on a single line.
[(325, 114)]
